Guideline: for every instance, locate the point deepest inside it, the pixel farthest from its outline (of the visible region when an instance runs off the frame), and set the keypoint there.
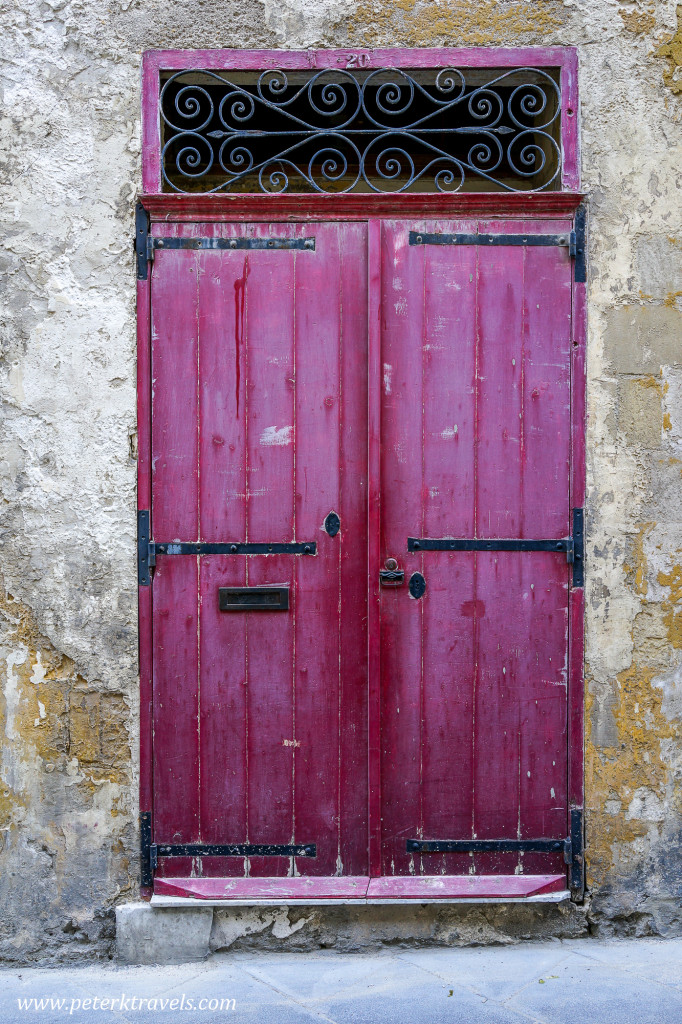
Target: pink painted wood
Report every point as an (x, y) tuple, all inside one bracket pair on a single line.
[(279, 889), (434, 887), (353, 206), (144, 502), (479, 664), (449, 375), (259, 431), (220, 706), (374, 373), (156, 61), (174, 507), (362, 889)]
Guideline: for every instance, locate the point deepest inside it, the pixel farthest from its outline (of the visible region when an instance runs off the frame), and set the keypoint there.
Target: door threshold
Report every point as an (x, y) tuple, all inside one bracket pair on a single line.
[(195, 901), (350, 891)]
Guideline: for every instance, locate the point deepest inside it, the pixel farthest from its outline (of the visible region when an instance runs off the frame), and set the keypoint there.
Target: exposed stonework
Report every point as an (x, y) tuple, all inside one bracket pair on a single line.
[(70, 169), (166, 935), (671, 52)]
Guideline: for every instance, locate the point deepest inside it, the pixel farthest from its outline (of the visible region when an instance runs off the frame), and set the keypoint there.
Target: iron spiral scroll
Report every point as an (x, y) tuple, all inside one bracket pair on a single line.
[(376, 131)]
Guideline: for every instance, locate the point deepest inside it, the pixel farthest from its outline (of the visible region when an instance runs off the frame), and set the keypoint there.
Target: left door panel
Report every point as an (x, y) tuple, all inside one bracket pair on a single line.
[(259, 426)]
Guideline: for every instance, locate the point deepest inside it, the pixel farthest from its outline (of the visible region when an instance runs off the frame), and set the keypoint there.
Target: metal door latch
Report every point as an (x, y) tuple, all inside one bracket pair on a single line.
[(391, 575)]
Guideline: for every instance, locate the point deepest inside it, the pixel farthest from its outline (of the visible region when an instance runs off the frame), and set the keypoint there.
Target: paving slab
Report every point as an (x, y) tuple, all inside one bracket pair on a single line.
[(495, 972), (591, 981), (655, 959), (583, 989)]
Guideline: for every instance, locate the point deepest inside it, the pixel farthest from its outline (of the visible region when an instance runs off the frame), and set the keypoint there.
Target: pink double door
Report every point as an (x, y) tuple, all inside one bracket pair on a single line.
[(319, 710)]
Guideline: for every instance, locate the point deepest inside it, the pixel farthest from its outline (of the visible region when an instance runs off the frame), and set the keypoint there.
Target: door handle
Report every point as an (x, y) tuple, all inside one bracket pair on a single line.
[(391, 575)]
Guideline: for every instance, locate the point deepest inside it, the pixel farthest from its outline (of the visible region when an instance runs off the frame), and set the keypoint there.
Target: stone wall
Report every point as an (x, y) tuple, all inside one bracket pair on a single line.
[(70, 155)]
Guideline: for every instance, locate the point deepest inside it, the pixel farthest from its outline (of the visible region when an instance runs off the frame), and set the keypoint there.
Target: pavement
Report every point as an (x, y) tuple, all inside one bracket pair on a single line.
[(578, 981)]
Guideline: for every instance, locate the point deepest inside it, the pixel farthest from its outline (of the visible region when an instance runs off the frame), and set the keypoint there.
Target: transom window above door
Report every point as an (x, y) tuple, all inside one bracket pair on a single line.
[(382, 122)]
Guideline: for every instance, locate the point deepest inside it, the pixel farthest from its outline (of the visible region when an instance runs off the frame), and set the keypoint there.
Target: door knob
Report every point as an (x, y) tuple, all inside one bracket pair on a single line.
[(391, 575)]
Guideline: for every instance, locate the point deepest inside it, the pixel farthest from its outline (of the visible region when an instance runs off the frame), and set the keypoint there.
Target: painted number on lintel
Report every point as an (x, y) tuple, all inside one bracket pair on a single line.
[(358, 60)]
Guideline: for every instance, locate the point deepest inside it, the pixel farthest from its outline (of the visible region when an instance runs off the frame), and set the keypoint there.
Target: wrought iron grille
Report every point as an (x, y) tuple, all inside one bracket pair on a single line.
[(386, 130)]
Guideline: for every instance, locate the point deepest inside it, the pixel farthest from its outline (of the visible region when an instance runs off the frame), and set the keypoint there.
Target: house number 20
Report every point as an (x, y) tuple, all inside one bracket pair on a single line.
[(358, 60)]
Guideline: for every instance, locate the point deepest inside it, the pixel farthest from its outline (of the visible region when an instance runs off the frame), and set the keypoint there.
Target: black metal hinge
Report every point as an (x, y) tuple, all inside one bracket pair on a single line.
[(217, 244), (230, 850), (146, 864), (147, 549), (571, 846), (573, 546), (144, 577), (578, 547), (491, 846), (578, 247), (142, 242), (483, 239), (576, 872), (146, 245), (574, 241)]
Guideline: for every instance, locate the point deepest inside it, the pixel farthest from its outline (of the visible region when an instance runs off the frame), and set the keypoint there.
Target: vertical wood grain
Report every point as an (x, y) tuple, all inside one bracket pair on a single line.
[(317, 637), (353, 597), (222, 440), (175, 516), (270, 438), (374, 514), (449, 371), (402, 317)]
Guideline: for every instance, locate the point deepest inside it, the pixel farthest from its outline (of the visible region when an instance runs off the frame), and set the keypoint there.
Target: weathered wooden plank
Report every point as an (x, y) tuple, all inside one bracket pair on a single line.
[(353, 543), (174, 387), (174, 516), (449, 373), (278, 889), (374, 519), (428, 888), (222, 511), (402, 319), (176, 699), (317, 491), (144, 501), (270, 416)]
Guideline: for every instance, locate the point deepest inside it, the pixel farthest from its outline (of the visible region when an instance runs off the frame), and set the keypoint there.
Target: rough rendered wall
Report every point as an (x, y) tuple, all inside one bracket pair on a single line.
[(70, 156)]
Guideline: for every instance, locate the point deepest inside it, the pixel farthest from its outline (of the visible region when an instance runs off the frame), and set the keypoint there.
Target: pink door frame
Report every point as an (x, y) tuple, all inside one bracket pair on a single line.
[(372, 208)]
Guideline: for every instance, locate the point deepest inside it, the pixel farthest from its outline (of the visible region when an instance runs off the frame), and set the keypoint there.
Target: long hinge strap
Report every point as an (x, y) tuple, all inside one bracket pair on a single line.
[(575, 241), (200, 548), (146, 245), (572, 546), (468, 238), (492, 846), (231, 850), (218, 244), (147, 549)]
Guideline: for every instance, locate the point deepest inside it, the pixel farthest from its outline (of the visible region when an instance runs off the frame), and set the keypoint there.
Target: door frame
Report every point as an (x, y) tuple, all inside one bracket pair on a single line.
[(155, 206)]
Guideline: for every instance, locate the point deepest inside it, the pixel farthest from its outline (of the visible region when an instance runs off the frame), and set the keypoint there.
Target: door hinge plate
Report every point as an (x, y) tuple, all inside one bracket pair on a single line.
[(232, 850), (571, 847), (147, 863), (142, 256), (572, 546), (578, 247), (483, 239), (157, 244), (148, 550)]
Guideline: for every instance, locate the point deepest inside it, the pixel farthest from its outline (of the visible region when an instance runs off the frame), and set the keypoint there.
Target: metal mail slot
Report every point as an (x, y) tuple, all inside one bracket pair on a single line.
[(254, 599)]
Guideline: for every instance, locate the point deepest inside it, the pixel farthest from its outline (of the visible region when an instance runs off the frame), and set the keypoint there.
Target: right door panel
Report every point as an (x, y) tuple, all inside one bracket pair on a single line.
[(475, 428)]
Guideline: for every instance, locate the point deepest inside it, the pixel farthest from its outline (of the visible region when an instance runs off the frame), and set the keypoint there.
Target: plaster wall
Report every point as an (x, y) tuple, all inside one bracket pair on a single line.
[(70, 155)]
